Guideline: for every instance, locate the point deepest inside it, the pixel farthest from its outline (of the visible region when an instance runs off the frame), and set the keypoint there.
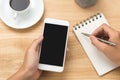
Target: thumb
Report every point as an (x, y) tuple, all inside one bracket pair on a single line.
[(36, 42), (100, 45)]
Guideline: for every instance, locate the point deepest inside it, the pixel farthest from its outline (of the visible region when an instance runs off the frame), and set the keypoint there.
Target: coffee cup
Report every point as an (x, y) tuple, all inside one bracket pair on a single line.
[(19, 8)]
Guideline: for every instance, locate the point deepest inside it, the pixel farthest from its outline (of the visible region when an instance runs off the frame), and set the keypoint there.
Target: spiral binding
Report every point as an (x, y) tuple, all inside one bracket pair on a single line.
[(88, 21)]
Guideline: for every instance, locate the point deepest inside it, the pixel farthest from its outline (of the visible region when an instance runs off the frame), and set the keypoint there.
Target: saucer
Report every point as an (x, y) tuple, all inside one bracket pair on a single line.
[(26, 21)]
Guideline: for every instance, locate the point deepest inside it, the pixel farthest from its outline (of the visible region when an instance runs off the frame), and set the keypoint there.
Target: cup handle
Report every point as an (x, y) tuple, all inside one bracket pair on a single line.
[(15, 16)]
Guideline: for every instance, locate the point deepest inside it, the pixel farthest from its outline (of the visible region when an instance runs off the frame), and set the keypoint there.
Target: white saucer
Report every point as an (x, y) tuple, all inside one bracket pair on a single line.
[(35, 14)]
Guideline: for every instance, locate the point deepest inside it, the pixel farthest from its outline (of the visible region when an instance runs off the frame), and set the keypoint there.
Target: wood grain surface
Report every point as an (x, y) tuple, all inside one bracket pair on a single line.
[(14, 43)]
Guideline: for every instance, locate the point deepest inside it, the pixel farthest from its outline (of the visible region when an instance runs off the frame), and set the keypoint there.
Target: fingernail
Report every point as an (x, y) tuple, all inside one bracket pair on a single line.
[(91, 37)]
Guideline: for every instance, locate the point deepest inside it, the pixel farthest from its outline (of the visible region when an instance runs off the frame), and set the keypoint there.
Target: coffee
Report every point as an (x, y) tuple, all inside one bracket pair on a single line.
[(19, 5)]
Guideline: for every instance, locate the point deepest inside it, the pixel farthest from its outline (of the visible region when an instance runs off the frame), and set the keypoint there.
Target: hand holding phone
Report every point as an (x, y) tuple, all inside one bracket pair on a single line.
[(53, 48)]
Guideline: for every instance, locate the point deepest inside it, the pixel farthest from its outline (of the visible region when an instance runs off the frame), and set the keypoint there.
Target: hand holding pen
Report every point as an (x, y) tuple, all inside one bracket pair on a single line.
[(108, 34), (102, 40)]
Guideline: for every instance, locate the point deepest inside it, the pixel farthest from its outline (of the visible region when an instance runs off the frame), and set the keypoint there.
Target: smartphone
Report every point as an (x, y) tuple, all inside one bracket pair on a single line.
[(54, 44)]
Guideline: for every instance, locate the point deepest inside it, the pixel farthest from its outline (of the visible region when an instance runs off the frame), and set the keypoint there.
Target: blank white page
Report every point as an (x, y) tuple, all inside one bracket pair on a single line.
[(100, 62)]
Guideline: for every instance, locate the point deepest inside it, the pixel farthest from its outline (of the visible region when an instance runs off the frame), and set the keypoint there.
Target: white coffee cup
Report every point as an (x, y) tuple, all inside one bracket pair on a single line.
[(19, 13)]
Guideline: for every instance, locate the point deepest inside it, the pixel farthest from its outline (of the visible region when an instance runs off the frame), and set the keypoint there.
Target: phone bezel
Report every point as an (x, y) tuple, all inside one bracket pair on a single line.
[(47, 67)]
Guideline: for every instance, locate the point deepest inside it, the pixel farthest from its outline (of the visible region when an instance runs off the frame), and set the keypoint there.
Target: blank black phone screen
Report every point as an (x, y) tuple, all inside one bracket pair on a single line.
[(53, 45)]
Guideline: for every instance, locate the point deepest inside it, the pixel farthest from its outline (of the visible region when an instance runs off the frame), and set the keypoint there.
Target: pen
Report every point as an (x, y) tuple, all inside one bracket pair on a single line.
[(102, 40)]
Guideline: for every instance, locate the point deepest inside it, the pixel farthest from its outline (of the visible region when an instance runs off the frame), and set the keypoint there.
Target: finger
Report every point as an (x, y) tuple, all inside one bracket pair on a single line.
[(67, 49), (100, 45), (36, 43), (37, 74), (105, 28), (40, 73), (38, 47)]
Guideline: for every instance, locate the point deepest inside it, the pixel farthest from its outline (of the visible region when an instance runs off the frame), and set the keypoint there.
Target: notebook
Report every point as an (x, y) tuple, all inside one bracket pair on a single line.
[(100, 62)]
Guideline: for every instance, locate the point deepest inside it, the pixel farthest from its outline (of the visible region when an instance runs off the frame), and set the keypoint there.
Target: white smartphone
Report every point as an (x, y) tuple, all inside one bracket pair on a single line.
[(53, 47)]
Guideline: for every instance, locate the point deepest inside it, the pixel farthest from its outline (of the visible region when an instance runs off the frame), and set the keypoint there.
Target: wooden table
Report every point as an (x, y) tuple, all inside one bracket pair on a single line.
[(14, 43)]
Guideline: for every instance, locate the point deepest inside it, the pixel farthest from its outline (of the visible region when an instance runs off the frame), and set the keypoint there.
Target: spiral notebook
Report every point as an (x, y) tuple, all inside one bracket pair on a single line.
[(100, 62)]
